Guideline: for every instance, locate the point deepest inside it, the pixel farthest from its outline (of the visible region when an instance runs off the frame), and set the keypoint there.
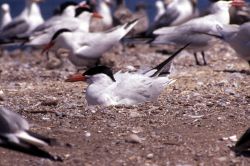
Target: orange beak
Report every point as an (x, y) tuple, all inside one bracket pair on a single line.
[(48, 47), (97, 15), (76, 78), (238, 3)]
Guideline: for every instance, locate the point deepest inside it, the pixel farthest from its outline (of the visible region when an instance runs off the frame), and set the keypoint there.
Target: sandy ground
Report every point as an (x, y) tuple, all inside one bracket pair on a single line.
[(189, 124)]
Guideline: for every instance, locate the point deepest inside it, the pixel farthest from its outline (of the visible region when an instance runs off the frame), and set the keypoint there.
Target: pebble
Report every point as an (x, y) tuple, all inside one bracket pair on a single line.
[(233, 138), (222, 159), (134, 114), (133, 138), (150, 156), (2, 95), (87, 134), (50, 101)]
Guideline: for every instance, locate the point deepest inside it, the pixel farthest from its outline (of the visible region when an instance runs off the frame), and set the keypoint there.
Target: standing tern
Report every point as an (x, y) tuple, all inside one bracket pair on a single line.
[(176, 13), (5, 15), (238, 37), (25, 23), (85, 49), (15, 134), (192, 30), (80, 22), (125, 88)]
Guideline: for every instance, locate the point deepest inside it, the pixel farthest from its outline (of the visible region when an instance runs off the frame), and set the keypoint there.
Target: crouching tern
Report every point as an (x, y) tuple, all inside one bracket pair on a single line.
[(15, 135), (106, 88)]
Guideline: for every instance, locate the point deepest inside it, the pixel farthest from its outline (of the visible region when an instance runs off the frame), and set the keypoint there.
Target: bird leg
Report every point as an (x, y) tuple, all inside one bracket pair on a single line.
[(203, 57), (196, 59)]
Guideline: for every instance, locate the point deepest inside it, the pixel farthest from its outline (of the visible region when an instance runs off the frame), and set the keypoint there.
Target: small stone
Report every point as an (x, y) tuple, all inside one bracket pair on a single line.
[(1, 95), (133, 138), (219, 118), (230, 91), (222, 159), (87, 134), (150, 156), (134, 114), (233, 138), (50, 101)]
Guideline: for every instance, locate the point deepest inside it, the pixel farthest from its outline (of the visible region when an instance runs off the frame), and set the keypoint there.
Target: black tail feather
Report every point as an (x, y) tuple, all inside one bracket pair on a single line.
[(159, 68), (28, 149), (131, 22)]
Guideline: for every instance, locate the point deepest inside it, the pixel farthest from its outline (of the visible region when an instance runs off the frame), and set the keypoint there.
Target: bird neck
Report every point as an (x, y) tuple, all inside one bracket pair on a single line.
[(223, 16), (6, 18), (33, 9), (160, 7), (84, 22), (69, 12), (105, 11)]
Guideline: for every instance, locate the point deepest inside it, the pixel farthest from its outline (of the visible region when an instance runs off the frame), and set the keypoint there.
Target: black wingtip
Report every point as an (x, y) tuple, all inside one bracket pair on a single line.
[(31, 150), (243, 144), (161, 66), (131, 22), (59, 32)]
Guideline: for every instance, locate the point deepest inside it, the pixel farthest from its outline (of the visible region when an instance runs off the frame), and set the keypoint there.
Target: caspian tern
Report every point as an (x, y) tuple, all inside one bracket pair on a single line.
[(5, 15), (176, 13), (192, 30), (125, 88), (86, 48), (80, 22), (25, 23), (238, 37), (15, 134)]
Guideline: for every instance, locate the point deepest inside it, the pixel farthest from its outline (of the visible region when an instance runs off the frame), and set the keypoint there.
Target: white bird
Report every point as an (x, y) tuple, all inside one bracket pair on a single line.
[(80, 21), (25, 23), (85, 49), (5, 15), (15, 134), (192, 30), (160, 9), (238, 37), (125, 88), (176, 13), (104, 9)]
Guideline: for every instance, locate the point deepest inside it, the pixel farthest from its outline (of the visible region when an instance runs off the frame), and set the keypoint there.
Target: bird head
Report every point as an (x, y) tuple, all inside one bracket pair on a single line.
[(95, 73)]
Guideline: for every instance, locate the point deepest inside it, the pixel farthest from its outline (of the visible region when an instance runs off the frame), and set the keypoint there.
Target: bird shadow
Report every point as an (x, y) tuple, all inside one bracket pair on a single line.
[(31, 150), (242, 153), (246, 72)]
